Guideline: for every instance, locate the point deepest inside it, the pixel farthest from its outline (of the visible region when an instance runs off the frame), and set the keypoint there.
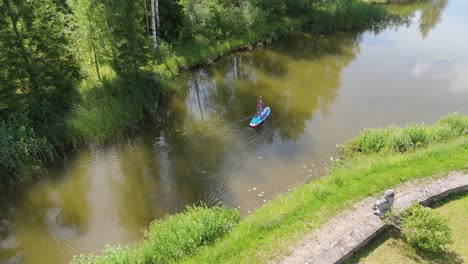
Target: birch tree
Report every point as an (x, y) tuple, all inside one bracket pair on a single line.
[(154, 17), (157, 14), (146, 17)]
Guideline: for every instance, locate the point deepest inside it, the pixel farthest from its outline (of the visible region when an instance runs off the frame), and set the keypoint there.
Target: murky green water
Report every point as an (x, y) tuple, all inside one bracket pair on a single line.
[(322, 90)]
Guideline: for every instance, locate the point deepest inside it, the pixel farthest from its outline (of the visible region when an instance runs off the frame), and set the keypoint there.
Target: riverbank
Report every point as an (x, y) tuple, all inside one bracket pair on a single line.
[(269, 231), (110, 106)]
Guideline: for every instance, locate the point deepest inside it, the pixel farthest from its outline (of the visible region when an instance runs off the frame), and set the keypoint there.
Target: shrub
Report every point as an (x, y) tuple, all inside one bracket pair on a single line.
[(425, 229), (171, 238)]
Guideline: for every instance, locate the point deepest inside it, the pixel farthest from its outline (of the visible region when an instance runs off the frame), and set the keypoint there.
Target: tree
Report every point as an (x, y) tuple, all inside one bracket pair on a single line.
[(127, 36), (91, 34), (154, 17), (37, 64)]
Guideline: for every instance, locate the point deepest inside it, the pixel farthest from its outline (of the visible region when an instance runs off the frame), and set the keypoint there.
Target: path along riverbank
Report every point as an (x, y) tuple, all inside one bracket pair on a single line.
[(352, 229)]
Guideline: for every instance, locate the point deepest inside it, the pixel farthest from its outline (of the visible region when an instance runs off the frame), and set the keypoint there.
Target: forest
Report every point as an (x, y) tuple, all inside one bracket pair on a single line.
[(79, 71)]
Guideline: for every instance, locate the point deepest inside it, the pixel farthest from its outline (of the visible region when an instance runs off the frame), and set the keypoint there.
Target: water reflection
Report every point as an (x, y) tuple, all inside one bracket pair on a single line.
[(431, 15), (294, 83), (430, 12)]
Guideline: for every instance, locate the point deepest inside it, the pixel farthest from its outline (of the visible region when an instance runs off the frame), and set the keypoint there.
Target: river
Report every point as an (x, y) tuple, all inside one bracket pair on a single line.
[(322, 90)]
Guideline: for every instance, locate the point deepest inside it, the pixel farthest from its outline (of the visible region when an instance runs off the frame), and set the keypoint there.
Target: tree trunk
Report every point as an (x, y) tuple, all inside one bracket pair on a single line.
[(146, 18), (96, 64), (157, 16), (153, 24)]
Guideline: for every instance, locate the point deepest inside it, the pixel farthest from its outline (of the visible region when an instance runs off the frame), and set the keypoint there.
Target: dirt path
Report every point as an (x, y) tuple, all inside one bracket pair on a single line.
[(352, 229)]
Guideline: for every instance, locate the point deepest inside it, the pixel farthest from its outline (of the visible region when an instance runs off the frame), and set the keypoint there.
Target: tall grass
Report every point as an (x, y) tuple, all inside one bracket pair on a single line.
[(394, 139), (110, 109), (22, 149), (172, 238)]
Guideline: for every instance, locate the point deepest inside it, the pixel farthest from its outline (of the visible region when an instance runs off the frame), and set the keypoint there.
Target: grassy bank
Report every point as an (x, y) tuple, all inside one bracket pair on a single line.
[(398, 140), (170, 239), (320, 17), (390, 246), (108, 105), (271, 230)]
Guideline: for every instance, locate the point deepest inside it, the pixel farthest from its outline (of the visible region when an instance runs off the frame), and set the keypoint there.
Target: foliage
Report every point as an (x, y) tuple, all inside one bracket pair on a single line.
[(129, 46), (37, 63), (426, 229), (113, 108), (37, 88), (217, 19), (21, 148), (409, 138), (345, 15), (172, 238)]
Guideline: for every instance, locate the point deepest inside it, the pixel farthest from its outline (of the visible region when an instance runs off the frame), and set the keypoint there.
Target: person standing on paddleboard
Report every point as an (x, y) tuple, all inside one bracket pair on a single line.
[(259, 104)]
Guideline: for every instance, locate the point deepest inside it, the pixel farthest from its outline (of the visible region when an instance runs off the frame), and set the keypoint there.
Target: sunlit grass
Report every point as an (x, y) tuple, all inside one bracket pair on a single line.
[(169, 239), (393, 139)]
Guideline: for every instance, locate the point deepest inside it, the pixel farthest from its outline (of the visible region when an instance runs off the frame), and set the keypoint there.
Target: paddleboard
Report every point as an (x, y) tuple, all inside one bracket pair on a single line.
[(260, 117)]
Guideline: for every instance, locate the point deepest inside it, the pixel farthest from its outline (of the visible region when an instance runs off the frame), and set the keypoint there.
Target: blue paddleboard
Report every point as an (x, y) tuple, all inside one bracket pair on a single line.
[(260, 117)]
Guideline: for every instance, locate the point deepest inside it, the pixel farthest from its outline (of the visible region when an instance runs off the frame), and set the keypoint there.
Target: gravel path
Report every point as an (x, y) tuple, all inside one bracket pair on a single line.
[(352, 229)]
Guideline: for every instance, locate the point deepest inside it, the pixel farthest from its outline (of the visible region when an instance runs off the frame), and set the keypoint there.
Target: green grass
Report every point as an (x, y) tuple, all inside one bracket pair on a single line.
[(395, 139), (273, 228), (109, 110), (390, 247), (169, 239)]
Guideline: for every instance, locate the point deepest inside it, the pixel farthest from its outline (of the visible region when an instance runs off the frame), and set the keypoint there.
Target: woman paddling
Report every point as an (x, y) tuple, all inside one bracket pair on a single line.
[(259, 104)]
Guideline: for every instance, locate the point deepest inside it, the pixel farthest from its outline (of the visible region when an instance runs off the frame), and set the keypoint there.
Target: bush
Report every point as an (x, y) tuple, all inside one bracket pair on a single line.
[(425, 229), (171, 238), (211, 19)]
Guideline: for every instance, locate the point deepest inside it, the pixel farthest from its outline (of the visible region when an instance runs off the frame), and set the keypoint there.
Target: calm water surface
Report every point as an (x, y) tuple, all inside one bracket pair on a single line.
[(322, 91)]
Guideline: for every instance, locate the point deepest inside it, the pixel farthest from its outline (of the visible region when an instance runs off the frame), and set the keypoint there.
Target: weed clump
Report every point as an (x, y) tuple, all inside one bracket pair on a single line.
[(169, 239)]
